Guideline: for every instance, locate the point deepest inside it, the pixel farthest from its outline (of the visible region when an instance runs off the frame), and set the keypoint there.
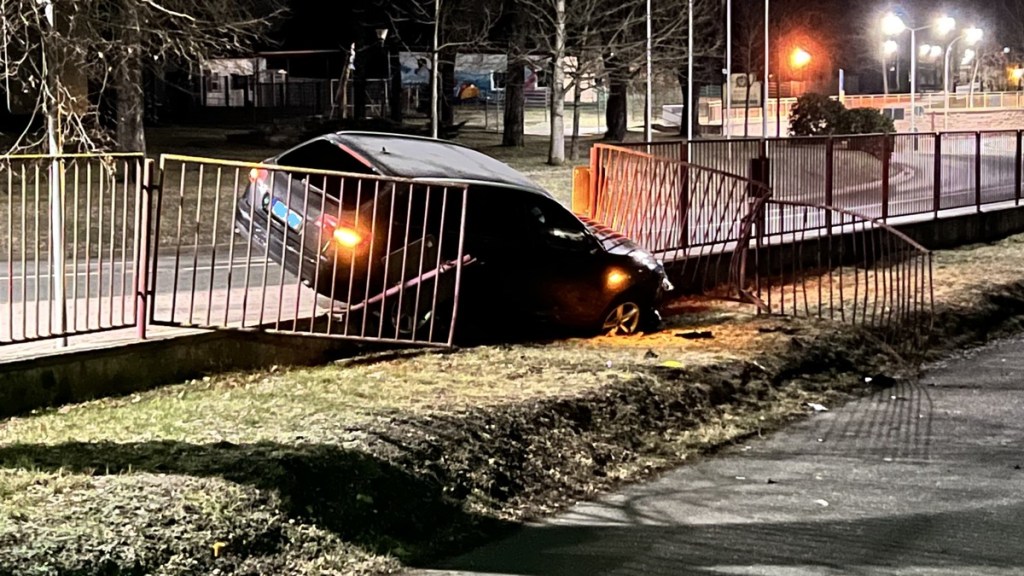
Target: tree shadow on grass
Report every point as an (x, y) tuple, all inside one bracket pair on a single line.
[(363, 499)]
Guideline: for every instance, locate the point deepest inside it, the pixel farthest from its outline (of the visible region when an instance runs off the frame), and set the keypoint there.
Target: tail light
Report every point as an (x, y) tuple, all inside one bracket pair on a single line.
[(257, 175), (341, 235)]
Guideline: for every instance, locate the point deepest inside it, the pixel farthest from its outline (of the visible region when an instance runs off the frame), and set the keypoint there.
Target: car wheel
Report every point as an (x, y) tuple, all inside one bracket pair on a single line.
[(623, 319), (410, 325)]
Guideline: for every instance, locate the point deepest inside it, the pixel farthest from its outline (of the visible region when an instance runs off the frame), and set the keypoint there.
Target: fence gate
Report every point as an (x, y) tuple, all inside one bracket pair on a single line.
[(305, 251)]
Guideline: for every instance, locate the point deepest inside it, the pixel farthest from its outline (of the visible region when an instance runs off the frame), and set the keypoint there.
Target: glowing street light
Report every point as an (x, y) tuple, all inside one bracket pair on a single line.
[(890, 47), (799, 58), (972, 36), (893, 25)]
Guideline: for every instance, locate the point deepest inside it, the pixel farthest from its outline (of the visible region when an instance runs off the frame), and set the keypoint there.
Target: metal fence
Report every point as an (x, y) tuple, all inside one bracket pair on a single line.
[(823, 262), (880, 176), (306, 251), (794, 256), (70, 242), (695, 219)]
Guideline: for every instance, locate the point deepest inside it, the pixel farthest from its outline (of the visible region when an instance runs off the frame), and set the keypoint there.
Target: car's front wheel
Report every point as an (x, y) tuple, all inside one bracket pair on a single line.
[(628, 317)]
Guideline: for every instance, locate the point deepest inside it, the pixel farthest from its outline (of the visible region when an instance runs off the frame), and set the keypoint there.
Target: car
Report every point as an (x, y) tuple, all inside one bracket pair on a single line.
[(365, 219)]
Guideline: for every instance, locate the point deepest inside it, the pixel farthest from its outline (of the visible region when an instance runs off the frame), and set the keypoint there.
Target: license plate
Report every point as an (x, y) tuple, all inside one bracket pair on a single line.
[(280, 210)]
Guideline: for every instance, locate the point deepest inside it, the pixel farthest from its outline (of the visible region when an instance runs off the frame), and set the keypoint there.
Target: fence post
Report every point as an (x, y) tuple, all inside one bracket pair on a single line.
[(886, 171), (829, 182), (937, 160), (596, 175), (143, 208), (1018, 158), (977, 171), (684, 194)]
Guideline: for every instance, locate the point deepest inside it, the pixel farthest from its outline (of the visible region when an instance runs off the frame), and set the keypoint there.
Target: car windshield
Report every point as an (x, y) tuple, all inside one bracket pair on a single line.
[(422, 158)]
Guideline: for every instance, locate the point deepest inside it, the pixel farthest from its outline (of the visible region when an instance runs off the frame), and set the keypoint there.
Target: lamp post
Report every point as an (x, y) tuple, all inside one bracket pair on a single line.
[(764, 101), (798, 58), (382, 35), (893, 25), (889, 48), (648, 86), (971, 36)]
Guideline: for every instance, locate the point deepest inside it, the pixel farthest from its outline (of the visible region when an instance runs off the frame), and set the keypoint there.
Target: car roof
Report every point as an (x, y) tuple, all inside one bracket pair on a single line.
[(432, 159)]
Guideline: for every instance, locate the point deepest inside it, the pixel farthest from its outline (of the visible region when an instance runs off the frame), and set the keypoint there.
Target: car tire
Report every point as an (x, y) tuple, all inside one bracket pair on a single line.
[(628, 317), (409, 328)]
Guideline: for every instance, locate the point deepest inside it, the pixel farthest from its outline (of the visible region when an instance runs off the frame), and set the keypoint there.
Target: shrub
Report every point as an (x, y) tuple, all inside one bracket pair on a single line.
[(815, 115), (864, 121)]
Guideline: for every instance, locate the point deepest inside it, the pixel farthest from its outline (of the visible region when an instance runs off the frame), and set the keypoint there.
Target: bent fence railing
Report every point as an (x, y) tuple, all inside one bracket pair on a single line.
[(824, 262), (70, 244), (306, 251), (693, 218), (725, 234)]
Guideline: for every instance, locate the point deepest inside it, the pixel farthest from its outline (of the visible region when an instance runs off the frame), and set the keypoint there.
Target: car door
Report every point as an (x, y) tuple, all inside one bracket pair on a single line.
[(568, 281)]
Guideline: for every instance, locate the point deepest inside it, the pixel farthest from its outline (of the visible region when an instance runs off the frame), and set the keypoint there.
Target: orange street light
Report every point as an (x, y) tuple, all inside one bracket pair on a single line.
[(799, 58)]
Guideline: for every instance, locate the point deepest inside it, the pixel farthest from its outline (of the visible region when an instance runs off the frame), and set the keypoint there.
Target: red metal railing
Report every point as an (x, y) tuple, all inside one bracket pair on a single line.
[(691, 217)]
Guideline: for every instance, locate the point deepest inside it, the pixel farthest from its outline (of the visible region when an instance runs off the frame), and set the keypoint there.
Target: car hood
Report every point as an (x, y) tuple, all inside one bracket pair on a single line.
[(612, 241)]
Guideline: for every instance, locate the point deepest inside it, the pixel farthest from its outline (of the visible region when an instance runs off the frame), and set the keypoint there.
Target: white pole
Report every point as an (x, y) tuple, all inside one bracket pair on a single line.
[(434, 83), (56, 196), (649, 86), (913, 80), (945, 86), (694, 101), (727, 120), (764, 101)]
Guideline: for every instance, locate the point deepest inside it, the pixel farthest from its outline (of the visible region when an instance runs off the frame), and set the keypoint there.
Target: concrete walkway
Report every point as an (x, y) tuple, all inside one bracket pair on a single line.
[(921, 479)]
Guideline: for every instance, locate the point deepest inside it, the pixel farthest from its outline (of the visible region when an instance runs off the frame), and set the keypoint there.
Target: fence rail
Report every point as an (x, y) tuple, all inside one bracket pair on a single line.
[(823, 262), (795, 256), (306, 251), (70, 242)]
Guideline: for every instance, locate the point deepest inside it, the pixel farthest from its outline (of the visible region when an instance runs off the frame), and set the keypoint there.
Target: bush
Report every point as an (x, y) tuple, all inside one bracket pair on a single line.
[(864, 121), (819, 115), (815, 115)]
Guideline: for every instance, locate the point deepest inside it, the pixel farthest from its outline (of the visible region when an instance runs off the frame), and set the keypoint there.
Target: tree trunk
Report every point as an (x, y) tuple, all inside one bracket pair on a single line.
[(577, 96), (515, 103), (746, 108), (131, 136), (615, 108), (447, 88), (691, 102), (556, 90)]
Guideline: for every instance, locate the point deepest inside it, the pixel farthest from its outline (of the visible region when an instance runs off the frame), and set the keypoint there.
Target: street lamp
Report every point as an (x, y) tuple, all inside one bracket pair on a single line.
[(889, 47), (893, 25), (972, 36), (798, 58)]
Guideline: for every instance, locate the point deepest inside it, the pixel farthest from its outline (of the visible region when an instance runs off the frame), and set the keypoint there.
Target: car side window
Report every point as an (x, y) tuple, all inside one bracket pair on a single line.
[(552, 225)]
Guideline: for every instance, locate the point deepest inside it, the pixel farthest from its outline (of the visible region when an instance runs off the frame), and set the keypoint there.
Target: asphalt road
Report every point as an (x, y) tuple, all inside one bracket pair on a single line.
[(921, 479)]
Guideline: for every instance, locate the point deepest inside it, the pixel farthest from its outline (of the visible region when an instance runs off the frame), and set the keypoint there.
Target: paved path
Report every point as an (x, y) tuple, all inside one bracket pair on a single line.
[(917, 480)]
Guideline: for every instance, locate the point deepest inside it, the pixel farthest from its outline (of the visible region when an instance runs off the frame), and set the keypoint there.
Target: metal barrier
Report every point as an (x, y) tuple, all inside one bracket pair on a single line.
[(695, 219), (842, 266), (794, 257), (879, 176), (306, 251), (71, 244)]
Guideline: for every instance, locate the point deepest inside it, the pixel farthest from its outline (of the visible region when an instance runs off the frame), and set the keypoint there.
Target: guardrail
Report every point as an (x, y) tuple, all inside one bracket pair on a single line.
[(879, 176), (71, 244), (824, 262), (788, 256), (305, 251)]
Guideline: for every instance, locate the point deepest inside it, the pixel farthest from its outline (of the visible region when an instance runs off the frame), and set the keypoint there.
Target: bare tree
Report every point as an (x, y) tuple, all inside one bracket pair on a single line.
[(111, 43), (748, 49), (444, 28)]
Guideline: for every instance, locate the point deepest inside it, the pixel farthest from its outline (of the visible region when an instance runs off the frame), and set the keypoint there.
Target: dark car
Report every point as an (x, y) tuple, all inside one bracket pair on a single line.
[(526, 259)]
